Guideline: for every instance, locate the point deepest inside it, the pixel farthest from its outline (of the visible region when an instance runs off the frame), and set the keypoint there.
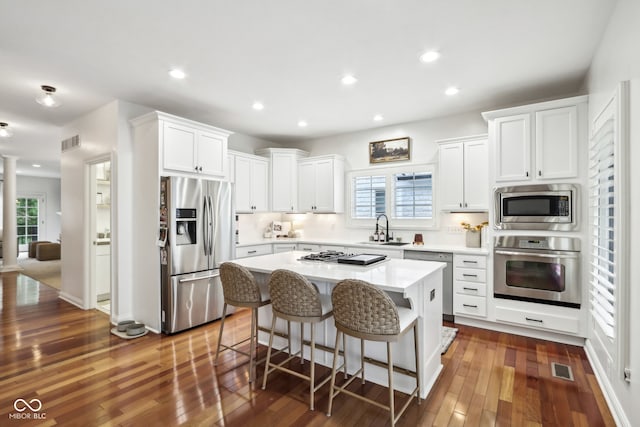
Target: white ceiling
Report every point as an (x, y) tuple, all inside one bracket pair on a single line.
[(289, 54)]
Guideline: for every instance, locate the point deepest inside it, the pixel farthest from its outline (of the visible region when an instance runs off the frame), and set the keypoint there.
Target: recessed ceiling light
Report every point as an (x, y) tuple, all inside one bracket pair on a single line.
[(46, 97), (451, 91), (378, 117), (176, 73), (348, 80), (5, 132), (258, 106), (35, 165), (430, 56), (302, 124)]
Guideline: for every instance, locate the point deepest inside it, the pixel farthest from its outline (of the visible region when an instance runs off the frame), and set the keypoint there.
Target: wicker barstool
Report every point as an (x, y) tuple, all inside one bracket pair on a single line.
[(296, 299), (241, 290), (363, 311)]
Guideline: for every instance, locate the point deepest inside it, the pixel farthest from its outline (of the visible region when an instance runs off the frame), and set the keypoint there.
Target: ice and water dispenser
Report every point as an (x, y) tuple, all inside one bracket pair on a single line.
[(186, 226)]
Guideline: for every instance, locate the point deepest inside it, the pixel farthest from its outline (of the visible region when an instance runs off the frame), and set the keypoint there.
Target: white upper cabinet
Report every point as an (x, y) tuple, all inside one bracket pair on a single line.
[(464, 174), (182, 147), (321, 184), (194, 149), (251, 183), (537, 142), (557, 143), (283, 177)]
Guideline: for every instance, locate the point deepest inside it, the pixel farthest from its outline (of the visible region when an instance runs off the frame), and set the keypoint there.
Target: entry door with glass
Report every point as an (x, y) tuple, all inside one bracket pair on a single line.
[(28, 220)]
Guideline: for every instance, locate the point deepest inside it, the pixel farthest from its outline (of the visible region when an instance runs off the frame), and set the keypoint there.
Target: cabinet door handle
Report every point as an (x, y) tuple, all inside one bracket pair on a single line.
[(539, 173), (252, 252), (200, 169), (527, 173), (470, 289), (196, 169), (460, 204), (465, 204), (470, 305), (469, 275), (533, 320), (469, 262)]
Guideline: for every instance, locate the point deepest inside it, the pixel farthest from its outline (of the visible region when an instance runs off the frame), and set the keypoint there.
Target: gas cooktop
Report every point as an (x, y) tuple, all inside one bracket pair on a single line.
[(344, 258)]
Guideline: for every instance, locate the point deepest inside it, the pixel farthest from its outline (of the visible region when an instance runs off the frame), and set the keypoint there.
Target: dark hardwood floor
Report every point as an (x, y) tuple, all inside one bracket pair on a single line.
[(67, 359)]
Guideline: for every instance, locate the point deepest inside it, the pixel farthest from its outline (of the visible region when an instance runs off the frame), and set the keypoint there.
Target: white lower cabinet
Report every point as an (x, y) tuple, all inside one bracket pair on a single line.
[(567, 322), (253, 250), (308, 247), (470, 285)]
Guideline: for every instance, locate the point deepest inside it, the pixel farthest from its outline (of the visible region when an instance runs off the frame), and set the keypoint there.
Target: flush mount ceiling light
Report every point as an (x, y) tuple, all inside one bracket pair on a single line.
[(348, 80), (46, 98), (176, 73), (430, 56), (5, 132), (35, 165), (377, 117), (302, 124), (258, 106), (452, 91)]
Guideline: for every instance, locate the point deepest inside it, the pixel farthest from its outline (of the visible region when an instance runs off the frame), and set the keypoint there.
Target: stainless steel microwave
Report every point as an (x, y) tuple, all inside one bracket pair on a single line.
[(536, 207)]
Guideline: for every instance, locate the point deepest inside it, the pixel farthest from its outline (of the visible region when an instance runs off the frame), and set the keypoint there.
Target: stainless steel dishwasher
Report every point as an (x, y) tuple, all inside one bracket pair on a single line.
[(447, 277)]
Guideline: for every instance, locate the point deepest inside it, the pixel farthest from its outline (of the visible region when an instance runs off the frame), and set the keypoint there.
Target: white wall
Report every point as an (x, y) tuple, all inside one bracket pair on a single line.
[(248, 144), (355, 149), (50, 188), (616, 60)]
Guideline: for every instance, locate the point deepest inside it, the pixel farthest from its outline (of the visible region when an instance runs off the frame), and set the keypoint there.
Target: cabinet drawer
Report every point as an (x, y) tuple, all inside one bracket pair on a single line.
[(470, 288), (470, 261), (308, 247), (255, 250), (469, 305), (538, 320), (284, 247), (470, 274)]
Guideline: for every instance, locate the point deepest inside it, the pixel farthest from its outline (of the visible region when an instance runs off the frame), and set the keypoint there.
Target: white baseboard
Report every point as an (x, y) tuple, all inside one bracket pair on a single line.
[(71, 299), (619, 416)]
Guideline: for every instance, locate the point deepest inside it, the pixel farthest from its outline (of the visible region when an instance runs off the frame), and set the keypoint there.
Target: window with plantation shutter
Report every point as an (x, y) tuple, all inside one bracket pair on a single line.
[(602, 195), (404, 193), (369, 196), (413, 195)]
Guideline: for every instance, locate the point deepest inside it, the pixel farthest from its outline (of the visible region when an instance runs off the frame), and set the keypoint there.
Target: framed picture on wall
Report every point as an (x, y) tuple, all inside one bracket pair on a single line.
[(390, 150)]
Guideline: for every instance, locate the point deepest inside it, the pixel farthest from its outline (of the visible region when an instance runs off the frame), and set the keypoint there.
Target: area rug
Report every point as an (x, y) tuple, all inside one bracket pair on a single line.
[(47, 272), (448, 335)]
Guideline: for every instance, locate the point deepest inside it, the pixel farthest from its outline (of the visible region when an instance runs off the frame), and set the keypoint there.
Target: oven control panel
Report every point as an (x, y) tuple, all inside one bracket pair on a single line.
[(533, 244)]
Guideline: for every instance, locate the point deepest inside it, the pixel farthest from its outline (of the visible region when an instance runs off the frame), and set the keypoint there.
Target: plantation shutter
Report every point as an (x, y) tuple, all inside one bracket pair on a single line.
[(413, 195), (369, 196), (602, 193)]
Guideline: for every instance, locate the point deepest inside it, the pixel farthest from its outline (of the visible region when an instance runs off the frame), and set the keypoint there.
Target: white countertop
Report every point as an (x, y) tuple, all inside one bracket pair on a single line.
[(391, 275), (427, 247)]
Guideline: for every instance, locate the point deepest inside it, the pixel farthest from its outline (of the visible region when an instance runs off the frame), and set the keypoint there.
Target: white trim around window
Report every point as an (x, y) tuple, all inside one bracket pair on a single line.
[(370, 196)]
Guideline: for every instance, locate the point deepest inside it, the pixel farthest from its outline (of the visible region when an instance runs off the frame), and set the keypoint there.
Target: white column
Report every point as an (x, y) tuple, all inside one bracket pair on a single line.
[(9, 223)]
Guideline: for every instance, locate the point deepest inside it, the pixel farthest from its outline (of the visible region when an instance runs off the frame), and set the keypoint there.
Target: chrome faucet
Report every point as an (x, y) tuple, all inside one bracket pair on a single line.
[(386, 237)]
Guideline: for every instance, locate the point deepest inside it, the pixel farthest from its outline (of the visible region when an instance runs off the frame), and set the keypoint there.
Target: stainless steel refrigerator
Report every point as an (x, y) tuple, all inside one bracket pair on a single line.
[(196, 236)]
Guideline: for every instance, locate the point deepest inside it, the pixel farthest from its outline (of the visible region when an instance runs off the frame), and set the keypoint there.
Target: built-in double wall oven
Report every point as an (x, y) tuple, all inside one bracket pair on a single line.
[(541, 265)]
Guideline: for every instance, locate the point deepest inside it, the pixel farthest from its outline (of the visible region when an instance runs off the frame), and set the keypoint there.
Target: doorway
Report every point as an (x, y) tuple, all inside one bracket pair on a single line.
[(29, 219), (100, 223)]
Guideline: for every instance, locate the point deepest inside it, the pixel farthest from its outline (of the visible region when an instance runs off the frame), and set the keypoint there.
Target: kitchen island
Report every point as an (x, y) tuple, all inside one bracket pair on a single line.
[(414, 284)]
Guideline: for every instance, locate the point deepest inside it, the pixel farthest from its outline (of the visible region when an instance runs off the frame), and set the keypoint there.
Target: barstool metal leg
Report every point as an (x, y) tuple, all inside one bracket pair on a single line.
[(301, 343), (313, 364), (362, 358), (224, 315), (390, 372), (333, 371), (252, 349), (268, 361), (344, 354)]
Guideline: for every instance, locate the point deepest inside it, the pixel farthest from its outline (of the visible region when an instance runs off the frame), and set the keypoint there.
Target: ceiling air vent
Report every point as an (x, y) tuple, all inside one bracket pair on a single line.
[(69, 143)]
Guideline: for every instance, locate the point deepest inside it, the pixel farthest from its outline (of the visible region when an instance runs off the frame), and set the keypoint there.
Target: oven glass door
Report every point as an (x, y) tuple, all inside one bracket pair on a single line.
[(547, 276)]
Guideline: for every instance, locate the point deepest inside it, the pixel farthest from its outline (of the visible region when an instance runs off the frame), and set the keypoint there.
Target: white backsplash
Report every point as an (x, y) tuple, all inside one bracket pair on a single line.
[(332, 226)]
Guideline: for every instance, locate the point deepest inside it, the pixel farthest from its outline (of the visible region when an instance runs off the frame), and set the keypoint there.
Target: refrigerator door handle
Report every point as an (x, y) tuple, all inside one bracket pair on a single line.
[(205, 227), (212, 228), (194, 279)]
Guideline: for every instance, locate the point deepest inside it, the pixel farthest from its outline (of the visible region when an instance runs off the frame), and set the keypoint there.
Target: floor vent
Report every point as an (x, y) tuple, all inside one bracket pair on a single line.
[(559, 370)]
